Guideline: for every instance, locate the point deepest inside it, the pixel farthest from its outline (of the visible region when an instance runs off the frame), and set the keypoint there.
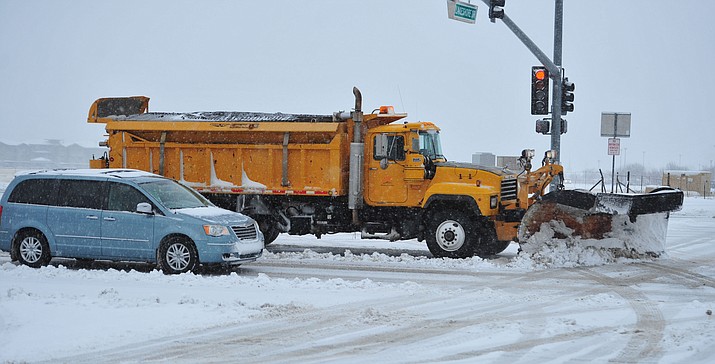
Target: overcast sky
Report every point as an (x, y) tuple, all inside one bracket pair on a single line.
[(654, 59)]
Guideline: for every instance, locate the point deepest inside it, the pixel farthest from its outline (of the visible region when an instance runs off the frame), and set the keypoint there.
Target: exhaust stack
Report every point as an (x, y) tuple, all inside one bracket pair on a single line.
[(357, 151)]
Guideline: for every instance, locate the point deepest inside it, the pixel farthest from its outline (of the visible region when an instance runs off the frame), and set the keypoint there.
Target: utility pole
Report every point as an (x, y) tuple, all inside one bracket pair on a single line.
[(557, 91)]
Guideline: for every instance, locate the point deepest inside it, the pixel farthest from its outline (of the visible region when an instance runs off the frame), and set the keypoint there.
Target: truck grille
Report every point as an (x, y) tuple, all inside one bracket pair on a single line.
[(508, 189), (245, 232)]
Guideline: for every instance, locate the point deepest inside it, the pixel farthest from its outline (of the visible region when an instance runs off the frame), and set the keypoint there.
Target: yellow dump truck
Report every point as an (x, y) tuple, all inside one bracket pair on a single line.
[(320, 174)]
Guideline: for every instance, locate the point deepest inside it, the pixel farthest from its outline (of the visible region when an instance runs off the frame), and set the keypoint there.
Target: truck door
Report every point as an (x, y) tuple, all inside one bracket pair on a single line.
[(386, 170)]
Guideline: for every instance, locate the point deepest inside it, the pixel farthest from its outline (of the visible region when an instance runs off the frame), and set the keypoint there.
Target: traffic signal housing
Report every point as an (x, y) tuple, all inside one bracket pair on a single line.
[(567, 89), (539, 90), (496, 9), (543, 126)]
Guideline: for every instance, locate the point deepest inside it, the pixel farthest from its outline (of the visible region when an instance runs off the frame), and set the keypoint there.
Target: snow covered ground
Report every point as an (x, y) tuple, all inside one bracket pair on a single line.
[(305, 305)]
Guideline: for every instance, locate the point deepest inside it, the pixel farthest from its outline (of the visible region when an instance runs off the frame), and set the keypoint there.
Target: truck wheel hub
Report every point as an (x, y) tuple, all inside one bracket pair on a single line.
[(450, 235)]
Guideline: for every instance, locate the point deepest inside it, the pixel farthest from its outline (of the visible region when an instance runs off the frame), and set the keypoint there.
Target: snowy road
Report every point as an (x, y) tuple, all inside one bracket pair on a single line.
[(309, 306)]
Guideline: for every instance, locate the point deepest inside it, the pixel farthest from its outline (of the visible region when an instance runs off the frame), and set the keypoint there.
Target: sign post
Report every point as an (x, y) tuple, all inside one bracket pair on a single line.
[(461, 11), (613, 126)]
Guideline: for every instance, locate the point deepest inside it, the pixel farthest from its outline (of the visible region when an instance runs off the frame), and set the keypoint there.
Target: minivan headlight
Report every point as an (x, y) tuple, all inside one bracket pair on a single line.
[(215, 230)]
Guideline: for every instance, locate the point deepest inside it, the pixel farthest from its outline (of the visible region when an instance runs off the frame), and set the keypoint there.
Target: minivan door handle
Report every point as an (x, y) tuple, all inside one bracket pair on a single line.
[(91, 217), (109, 219)]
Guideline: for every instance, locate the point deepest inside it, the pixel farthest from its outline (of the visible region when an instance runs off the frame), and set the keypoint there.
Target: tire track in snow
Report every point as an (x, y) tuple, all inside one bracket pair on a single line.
[(415, 338), (682, 271), (218, 343), (316, 334), (649, 330), (406, 324)]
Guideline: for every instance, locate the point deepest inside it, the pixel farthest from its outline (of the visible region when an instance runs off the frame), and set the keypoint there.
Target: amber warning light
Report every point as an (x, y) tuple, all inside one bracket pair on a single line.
[(387, 110)]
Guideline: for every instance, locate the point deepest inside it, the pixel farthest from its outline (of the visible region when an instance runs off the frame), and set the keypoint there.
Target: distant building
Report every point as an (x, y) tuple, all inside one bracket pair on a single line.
[(50, 155), (510, 162), (689, 181), (484, 159)]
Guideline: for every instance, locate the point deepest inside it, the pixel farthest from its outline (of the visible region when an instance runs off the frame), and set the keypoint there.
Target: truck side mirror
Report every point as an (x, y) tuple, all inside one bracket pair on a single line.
[(415, 145)]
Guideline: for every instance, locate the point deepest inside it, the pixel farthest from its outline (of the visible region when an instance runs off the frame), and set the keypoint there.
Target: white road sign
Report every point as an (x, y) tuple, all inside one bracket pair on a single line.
[(614, 146)]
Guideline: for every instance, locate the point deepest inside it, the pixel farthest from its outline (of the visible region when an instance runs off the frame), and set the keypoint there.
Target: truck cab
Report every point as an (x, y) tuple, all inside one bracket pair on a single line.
[(405, 167), (399, 163)]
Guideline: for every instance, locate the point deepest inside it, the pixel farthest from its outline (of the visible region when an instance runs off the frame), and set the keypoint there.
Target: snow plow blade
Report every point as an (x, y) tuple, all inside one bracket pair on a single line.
[(627, 225)]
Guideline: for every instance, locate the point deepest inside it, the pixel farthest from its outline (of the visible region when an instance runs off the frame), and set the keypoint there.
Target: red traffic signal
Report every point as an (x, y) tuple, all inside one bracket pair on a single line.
[(539, 90)]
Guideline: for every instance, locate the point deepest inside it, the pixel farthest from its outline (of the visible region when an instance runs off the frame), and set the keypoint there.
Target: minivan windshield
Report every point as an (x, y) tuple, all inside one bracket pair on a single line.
[(174, 195)]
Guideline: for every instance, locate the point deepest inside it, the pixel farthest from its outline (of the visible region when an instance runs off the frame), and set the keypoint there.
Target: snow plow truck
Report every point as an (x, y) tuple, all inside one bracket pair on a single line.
[(354, 172)]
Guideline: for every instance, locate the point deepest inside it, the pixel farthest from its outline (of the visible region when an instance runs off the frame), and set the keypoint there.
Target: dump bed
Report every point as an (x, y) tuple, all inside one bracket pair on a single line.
[(232, 152)]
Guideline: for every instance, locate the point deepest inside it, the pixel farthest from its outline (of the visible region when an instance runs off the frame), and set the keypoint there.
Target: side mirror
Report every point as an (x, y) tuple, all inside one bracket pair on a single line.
[(145, 208)]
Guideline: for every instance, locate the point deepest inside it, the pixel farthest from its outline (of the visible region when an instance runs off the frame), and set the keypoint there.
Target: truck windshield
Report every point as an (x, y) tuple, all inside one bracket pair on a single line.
[(174, 195), (430, 145)]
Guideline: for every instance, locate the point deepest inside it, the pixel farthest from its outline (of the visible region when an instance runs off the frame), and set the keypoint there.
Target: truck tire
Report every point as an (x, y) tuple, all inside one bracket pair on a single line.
[(450, 234), (488, 243), (269, 229), (270, 236)]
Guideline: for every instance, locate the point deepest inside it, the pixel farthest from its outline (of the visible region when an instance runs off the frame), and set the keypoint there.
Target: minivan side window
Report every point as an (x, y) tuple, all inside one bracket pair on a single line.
[(123, 197), (86, 194), (35, 191)]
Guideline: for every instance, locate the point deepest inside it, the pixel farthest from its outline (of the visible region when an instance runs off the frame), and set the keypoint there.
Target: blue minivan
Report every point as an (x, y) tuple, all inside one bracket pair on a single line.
[(120, 215)]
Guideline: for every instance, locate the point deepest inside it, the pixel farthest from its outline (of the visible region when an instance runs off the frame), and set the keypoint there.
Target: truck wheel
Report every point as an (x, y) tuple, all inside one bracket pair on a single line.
[(450, 235), (269, 229), (271, 236), (177, 255), (33, 250), (488, 243)]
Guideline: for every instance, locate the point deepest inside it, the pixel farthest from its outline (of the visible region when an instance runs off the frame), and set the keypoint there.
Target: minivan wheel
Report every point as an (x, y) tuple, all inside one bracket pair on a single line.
[(177, 255), (33, 250)]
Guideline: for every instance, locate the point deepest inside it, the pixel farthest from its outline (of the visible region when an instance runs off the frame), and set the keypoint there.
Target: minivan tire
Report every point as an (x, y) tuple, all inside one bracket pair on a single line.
[(177, 255), (32, 249)]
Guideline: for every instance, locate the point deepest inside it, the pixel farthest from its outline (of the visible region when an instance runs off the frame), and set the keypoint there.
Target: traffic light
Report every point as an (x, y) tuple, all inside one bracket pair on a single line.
[(539, 90), (543, 126), (567, 89), (496, 10)]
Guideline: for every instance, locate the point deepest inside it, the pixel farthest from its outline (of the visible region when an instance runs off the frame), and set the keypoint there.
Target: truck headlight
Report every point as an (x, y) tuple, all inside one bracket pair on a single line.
[(215, 230), (493, 202)]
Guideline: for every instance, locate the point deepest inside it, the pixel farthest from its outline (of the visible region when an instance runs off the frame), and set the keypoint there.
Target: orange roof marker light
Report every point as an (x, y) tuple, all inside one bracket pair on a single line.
[(387, 110)]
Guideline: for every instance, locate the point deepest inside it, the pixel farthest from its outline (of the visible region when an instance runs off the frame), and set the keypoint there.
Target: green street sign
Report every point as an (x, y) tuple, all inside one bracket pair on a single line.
[(461, 11)]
